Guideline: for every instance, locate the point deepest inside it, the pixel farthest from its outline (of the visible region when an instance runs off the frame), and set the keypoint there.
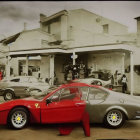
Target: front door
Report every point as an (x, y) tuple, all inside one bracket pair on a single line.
[(66, 106)]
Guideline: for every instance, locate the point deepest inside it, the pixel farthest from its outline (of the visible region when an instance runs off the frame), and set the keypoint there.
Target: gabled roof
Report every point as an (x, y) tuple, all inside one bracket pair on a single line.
[(137, 18), (46, 19), (10, 39), (14, 37), (85, 10)]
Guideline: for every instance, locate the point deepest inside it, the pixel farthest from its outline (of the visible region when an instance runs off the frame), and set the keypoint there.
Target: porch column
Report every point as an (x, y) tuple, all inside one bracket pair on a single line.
[(52, 69), (26, 65), (8, 68), (123, 60), (74, 57), (131, 74)]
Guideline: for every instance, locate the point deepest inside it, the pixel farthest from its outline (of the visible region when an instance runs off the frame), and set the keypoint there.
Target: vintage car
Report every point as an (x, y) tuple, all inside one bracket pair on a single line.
[(94, 81), (67, 103), (17, 86)]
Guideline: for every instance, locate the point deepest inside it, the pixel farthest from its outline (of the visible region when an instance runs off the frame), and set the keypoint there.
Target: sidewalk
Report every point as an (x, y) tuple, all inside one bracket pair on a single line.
[(119, 89)]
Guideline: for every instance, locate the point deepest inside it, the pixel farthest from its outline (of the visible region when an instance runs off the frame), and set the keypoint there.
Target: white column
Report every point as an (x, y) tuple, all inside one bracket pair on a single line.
[(131, 74), (26, 65), (8, 68), (52, 69), (123, 59), (73, 58)]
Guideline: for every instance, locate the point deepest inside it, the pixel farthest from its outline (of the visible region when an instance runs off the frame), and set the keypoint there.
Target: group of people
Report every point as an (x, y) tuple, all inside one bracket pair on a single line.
[(75, 71), (123, 81)]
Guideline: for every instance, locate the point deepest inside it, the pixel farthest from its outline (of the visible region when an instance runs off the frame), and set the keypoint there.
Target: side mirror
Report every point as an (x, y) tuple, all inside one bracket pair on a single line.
[(48, 101)]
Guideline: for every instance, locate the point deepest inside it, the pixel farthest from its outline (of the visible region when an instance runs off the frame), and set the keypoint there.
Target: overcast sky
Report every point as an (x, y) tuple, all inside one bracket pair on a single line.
[(14, 14)]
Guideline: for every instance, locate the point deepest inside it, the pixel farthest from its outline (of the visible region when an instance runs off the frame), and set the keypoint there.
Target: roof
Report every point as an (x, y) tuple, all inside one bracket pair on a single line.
[(100, 16), (137, 18), (93, 48), (14, 37), (46, 19), (10, 39)]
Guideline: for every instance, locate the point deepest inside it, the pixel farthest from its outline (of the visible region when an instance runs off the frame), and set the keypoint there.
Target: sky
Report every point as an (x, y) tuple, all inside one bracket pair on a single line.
[(13, 14)]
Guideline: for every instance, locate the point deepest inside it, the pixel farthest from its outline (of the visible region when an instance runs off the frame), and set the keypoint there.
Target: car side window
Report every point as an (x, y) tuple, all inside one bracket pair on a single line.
[(68, 93), (55, 97), (97, 94), (15, 80), (33, 80), (24, 79), (84, 91)]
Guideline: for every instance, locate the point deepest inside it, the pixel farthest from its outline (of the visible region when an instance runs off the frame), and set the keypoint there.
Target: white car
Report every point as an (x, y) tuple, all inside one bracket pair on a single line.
[(94, 81), (17, 86)]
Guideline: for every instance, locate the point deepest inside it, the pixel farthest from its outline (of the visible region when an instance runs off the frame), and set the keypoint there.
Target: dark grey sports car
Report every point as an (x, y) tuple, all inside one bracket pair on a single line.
[(111, 108)]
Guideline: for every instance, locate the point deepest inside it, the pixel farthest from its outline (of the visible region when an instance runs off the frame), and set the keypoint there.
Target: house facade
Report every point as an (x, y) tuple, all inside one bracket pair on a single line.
[(74, 36)]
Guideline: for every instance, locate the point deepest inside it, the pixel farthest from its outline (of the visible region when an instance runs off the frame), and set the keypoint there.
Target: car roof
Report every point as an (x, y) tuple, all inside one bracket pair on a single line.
[(79, 85)]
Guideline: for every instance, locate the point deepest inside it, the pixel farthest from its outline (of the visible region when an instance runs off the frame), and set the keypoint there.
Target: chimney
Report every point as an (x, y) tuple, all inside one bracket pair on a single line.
[(138, 31), (42, 17)]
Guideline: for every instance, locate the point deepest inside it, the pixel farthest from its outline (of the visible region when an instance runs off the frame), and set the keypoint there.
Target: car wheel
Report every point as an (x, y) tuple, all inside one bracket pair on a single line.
[(8, 95), (114, 118), (18, 118)]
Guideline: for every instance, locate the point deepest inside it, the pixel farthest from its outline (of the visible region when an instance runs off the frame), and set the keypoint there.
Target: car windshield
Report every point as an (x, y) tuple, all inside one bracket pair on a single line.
[(38, 94)]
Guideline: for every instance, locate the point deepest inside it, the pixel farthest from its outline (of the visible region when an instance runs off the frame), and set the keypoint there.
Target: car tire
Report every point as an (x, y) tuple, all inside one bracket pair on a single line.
[(8, 95), (114, 119), (18, 118)]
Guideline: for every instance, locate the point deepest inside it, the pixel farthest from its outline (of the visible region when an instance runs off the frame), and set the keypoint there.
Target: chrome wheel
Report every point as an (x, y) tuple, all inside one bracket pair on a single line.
[(8, 96), (114, 118), (19, 119)]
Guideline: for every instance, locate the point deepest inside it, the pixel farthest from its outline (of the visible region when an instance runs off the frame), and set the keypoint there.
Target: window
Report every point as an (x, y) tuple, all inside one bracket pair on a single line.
[(49, 28), (33, 80), (15, 80), (71, 93), (24, 79), (68, 93), (55, 97), (105, 29), (84, 91), (97, 94)]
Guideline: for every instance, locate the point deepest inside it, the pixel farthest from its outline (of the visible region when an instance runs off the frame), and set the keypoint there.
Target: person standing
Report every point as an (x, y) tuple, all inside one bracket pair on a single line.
[(0, 75), (112, 82), (124, 83), (116, 78), (69, 76)]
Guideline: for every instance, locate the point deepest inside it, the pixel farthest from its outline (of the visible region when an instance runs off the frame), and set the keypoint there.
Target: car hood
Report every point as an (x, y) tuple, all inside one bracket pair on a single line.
[(25, 102)]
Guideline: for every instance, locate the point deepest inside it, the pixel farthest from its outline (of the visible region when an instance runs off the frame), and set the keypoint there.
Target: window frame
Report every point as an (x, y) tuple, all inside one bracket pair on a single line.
[(98, 89)]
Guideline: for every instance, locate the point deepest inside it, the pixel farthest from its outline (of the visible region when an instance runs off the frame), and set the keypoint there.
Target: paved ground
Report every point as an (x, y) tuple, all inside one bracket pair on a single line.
[(131, 130)]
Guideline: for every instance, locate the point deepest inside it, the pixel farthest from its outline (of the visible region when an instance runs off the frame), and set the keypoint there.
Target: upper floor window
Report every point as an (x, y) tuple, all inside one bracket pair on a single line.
[(49, 28), (105, 29)]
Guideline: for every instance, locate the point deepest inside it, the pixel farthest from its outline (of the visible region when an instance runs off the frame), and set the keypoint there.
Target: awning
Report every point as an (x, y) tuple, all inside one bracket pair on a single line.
[(103, 48)]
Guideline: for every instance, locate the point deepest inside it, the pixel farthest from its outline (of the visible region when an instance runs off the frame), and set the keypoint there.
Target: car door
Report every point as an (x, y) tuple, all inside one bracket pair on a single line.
[(21, 86), (66, 106), (96, 106)]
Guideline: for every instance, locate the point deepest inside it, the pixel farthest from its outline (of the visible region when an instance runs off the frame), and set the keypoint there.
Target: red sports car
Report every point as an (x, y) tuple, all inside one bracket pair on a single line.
[(62, 105)]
